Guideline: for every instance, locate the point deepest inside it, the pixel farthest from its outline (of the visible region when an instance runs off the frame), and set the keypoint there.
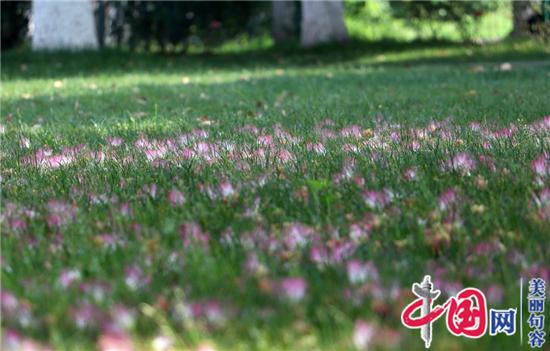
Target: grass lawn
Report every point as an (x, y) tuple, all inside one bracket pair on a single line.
[(269, 200)]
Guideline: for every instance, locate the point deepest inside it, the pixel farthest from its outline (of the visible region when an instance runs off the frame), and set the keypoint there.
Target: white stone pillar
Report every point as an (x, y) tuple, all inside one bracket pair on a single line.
[(58, 24), (322, 22)]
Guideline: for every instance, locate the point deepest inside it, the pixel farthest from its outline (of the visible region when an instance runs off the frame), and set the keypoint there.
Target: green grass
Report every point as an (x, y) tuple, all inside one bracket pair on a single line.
[(398, 94)]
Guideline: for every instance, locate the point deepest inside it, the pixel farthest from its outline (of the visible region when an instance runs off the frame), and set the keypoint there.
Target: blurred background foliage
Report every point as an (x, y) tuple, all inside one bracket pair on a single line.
[(172, 26), (15, 19), (438, 19)]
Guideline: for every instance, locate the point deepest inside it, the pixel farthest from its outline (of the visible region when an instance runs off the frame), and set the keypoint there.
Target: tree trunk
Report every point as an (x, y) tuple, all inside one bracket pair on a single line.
[(284, 25), (100, 14), (62, 25), (521, 11), (322, 22)]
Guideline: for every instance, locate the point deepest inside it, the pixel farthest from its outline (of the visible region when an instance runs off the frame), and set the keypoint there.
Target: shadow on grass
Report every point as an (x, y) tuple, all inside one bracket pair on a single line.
[(410, 97), (24, 64)]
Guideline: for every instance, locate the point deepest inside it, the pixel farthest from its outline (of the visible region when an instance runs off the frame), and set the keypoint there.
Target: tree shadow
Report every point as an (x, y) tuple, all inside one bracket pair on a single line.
[(25, 64), (410, 96)]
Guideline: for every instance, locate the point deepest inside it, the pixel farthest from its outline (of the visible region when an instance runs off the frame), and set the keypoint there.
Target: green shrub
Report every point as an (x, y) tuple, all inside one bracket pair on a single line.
[(465, 14)]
